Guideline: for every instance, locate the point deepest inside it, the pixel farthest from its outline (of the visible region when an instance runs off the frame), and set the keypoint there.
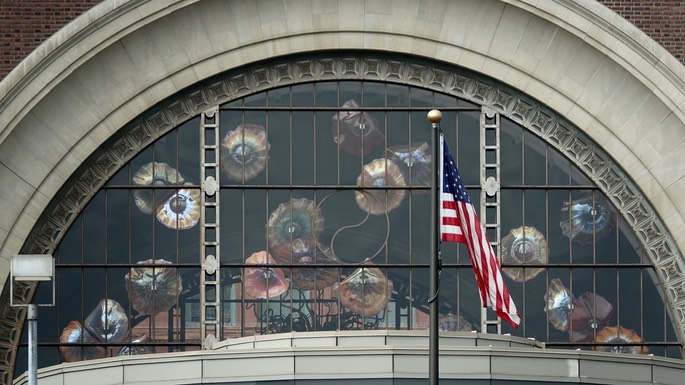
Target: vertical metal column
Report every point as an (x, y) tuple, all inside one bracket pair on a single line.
[(489, 198), (32, 317), (210, 282)]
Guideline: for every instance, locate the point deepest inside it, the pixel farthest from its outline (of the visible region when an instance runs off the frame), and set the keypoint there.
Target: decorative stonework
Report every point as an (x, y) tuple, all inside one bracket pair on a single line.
[(552, 128)]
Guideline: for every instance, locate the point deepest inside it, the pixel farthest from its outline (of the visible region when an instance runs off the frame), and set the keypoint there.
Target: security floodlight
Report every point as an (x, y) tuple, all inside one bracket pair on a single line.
[(32, 268)]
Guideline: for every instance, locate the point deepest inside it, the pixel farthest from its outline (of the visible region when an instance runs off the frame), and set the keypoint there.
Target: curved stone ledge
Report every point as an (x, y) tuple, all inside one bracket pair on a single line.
[(368, 355), (374, 338)]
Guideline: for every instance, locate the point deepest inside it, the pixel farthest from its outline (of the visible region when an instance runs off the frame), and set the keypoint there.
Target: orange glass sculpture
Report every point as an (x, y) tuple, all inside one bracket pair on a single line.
[(379, 173), (623, 338), (366, 291), (264, 281), (153, 290)]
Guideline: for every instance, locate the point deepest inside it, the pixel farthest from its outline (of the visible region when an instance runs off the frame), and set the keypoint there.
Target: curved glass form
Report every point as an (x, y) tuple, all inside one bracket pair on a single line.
[(357, 154)]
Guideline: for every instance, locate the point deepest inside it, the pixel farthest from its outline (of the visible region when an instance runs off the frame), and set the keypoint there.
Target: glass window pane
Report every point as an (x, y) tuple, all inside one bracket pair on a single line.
[(511, 153), (534, 160), (303, 149), (331, 241)]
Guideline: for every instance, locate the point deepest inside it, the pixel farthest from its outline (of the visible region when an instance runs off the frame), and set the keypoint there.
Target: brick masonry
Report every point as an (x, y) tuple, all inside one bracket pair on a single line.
[(25, 24), (663, 21)]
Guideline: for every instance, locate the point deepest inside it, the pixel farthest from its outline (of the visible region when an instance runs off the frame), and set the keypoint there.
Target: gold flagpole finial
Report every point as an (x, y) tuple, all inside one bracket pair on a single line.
[(434, 116)]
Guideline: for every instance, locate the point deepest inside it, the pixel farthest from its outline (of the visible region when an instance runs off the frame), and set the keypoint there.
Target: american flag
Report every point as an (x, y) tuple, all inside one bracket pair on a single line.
[(459, 223)]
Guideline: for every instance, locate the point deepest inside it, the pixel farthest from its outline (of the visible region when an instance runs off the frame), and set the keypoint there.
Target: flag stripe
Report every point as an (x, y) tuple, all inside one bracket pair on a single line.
[(449, 228), (459, 223)]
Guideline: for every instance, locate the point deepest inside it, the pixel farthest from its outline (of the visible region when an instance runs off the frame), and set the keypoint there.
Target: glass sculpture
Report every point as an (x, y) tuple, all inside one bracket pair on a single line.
[(244, 152), (620, 336), (153, 174), (297, 219), (582, 218), (524, 245), (75, 333), (379, 173), (355, 131), (155, 289), (181, 211), (107, 323), (263, 282), (366, 291), (414, 162), (305, 252), (559, 302), (590, 313)]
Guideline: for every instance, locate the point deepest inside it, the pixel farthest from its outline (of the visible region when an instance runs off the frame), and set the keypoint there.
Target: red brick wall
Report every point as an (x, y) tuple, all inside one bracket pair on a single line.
[(24, 24), (663, 21)]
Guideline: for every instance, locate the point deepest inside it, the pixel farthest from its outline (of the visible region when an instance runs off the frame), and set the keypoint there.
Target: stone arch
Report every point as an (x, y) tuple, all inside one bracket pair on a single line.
[(582, 61)]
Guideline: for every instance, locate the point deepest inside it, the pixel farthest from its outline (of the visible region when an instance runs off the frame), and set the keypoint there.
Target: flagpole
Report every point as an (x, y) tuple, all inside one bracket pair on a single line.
[(434, 117)]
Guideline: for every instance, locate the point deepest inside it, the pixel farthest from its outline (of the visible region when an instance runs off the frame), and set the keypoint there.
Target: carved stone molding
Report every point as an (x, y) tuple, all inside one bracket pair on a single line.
[(552, 128)]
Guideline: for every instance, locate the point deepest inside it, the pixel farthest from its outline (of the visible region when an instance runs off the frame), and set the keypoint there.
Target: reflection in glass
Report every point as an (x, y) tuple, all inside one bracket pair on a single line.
[(414, 159), (524, 245), (590, 312), (582, 219), (137, 350), (244, 152), (297, 219), (365, 292), (153, 290), (559, 302), (75, 333), (153, 174), (620, 335), (305, 252), (356, 132), (453, 323), (263, 282), (379, 173), (181, 211)]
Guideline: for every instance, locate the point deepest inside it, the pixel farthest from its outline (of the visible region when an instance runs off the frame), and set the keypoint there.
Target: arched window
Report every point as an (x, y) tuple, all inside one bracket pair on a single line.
[(327, 183)]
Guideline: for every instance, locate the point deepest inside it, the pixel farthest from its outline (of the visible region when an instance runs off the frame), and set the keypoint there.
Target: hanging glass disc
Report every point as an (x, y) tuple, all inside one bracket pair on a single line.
[(366, 291), (181, 211), (414, 162), (263, 282), (297, 219), (619, 335), (590, 313), (153, 174), (558, 304), (524, 245), (153, 290), (355, 131), (585, 219), (244, 152), (306, 252), (379, 173)]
